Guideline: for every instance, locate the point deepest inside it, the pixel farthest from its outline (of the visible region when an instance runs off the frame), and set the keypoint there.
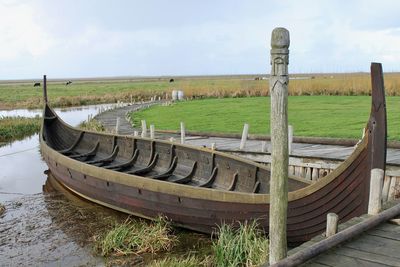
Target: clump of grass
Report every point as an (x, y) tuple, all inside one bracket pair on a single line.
[(92, 125), (244, 246), (135, 237), (16, 128), (189, 261)]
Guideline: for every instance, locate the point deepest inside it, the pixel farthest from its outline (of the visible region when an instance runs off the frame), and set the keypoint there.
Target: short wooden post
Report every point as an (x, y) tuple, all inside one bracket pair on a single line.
[(290, 137), (392, 188), (244, 136), (213, 146), (263, 146), (152, 131), (314, 175), (332, 220), (385, 190), (183, 135), (278, 85), (144, 129), (135, 133), (375, 191), (117, 125)]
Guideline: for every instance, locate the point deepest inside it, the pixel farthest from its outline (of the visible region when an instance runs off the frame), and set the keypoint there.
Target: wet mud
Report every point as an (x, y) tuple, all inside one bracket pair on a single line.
[(58, 228)]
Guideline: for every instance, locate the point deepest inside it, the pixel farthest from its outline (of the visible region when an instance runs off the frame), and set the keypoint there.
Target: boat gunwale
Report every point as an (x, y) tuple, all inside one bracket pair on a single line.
[(189, 191)]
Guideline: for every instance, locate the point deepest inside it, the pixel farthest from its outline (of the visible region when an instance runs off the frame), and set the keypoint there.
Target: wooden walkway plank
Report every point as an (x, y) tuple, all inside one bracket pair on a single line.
[(372, 257), (332, 259), (377, 245)]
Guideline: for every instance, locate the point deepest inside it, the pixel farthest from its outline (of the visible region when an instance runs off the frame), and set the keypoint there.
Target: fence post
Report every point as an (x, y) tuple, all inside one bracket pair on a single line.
[(244, 136), (278, 85), (332, 220), (144, 129), (152, 130), (117, 125), (213, 146), (183, 135), (290, 137), (375, 191)]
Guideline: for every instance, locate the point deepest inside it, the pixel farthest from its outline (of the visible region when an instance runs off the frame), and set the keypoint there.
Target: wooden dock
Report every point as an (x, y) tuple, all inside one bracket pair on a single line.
[(379, 246)]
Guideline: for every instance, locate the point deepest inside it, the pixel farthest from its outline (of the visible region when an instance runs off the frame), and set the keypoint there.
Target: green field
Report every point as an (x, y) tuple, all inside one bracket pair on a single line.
[(17, 94), (318, 116)]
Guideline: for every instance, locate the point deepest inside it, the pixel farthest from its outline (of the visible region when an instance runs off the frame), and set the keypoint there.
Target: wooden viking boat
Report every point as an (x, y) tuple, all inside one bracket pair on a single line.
[(198, 188)]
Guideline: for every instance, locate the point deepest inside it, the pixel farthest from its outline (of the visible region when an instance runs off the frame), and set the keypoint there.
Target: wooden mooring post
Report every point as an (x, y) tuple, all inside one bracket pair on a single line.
[(375, 191), (117, 125), (144, 129), (183, 133), (245, 133), (332, 220), (278, 85), (152, 131)]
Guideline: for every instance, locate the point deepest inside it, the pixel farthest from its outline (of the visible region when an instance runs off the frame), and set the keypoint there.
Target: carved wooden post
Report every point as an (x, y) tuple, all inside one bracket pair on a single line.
[(278, 84)]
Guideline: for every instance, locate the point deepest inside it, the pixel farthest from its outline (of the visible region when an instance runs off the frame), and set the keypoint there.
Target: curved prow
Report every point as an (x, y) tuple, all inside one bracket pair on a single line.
[(376, 130), (377, 126), (45, 89)]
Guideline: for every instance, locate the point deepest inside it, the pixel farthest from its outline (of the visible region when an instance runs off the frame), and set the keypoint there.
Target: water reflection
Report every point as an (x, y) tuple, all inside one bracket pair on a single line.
[(21, 165)]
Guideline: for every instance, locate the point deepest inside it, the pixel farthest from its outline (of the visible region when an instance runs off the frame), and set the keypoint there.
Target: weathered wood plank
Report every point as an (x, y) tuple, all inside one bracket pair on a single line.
[(372, 257), (377, 245), (332, 259)]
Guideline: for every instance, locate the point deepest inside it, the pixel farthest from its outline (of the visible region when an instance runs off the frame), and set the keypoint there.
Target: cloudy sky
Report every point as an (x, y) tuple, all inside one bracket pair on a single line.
[(92, 38)]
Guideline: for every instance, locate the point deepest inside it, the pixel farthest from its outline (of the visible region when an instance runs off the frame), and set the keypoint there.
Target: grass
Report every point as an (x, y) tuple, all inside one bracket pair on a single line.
[(245, 246), (17, 95), (318, 116), (16, 128), (188, 261), (135, 237), (92, 125), (242, 246)]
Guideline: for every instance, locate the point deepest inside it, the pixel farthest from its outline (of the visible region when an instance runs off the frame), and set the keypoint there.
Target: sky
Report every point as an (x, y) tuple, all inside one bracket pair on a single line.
[(72, 39)]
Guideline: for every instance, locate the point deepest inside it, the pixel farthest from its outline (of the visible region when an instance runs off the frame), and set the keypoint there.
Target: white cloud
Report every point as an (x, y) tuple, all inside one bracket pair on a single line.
[(20, 34)]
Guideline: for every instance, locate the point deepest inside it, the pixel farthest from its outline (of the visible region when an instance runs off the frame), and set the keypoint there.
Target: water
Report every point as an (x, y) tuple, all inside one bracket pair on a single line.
[(44, 225), (21, 165)]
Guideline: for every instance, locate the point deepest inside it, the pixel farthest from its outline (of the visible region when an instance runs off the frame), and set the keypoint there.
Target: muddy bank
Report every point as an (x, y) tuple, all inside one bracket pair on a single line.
[(57, 228), (30, 236)]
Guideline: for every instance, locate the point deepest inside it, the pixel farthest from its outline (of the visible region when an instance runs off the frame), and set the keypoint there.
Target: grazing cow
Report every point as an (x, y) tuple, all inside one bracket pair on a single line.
[(68, 83), (36, 84), (257, 78), (171, 80)]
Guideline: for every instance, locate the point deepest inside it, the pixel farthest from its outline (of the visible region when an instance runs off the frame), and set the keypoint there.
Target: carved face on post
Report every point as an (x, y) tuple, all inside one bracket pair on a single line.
[(279, 52)]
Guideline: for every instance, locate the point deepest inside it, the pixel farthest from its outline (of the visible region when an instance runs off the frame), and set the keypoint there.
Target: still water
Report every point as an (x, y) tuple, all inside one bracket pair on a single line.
[(21, 165)]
